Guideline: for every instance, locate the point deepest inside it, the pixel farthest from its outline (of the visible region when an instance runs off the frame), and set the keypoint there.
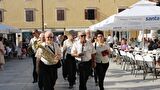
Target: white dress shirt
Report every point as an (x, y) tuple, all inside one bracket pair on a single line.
[(32, 43), (99, 49), (67, 45), (88, 50)]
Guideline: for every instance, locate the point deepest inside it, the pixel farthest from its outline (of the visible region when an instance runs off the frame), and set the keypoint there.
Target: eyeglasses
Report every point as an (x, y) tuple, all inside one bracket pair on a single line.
[(83, 35), (49, 37)]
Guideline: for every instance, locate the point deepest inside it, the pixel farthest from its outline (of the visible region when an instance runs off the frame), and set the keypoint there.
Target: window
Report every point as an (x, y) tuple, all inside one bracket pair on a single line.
[(121, 9), (60, 15), (1, 15), (29, 15), (90, 14)]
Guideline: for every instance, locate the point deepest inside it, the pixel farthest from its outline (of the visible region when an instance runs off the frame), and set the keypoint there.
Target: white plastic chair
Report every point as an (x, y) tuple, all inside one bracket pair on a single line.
[(124, 59), (132, 62), (139, 64)]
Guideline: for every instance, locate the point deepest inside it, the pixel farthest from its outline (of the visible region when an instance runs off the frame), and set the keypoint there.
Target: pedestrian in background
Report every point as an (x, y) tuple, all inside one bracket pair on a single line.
[(110, 40), (19, 50), (2, 53)]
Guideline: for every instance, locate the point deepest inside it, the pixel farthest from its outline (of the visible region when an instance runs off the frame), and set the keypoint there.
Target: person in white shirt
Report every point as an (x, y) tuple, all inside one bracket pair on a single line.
[(32, 44), (2, 52), (48, 64), (41, 40), (110, 40), (88, 35), (115, 39), (19, 50), (69, 62), (84, 52), (102, 58)]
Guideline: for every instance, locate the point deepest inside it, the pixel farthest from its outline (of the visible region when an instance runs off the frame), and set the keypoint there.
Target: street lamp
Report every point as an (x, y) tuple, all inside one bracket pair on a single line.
[(42, 15)]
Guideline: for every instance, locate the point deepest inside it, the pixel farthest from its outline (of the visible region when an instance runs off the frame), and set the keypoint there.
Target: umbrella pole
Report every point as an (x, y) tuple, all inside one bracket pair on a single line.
[(143, 36)]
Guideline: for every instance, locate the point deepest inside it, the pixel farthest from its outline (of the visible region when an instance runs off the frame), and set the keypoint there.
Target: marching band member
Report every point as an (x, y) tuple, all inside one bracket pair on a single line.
[(102, 58), (49, 54), (84, 52), (70, 62), (41, 40), (32, 46)]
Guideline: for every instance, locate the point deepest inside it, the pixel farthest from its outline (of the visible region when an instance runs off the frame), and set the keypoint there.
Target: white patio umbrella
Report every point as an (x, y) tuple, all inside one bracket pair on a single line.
[(8, 29), (103, 24), (144, 3), (147, 16), (112, 24), (109, 24)]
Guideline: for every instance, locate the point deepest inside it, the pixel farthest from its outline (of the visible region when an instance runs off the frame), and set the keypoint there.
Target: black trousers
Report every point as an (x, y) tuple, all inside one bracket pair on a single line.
[(71, 69), (101, 69), (48, 75), (64, 69), (35, 75), (95, 75), (84, 72)]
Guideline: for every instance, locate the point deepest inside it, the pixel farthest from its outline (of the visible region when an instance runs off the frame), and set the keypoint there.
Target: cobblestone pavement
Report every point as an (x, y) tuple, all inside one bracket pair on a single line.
[(18, 76)]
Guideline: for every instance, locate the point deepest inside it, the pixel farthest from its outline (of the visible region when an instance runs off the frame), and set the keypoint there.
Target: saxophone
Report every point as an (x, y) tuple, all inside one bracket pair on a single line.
[(48, 55)]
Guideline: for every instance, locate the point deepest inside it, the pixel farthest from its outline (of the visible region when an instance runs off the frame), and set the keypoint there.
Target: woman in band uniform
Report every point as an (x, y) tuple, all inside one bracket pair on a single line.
[(102, 58)]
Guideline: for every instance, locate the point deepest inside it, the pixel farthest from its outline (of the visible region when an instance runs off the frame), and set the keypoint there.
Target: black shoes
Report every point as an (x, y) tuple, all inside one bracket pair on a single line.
[(74, 83), (70, 86), (65, 78), (35, 81), (96, 83)]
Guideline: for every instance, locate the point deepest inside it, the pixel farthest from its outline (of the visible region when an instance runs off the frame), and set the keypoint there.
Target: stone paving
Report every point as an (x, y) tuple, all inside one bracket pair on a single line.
[(18, 76)]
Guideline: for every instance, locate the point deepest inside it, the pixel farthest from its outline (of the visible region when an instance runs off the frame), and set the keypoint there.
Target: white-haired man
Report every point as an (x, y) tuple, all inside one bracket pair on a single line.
[(48, 54), (88, 35)]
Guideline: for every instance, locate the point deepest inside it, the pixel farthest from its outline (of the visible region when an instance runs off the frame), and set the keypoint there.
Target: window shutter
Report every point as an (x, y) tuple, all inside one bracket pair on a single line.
[(1, 16), (60, 15), (29, 15)]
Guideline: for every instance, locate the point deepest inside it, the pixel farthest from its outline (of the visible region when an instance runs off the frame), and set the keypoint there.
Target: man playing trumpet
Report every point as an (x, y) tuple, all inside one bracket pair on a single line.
[(48, 55)]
